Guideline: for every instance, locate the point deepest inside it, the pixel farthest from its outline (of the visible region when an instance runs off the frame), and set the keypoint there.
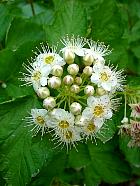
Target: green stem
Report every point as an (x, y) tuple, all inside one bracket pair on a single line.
[(32, 6)]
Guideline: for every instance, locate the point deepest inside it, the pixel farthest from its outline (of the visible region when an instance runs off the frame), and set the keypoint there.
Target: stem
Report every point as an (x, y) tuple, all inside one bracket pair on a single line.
[(125, 105), (32, 7)]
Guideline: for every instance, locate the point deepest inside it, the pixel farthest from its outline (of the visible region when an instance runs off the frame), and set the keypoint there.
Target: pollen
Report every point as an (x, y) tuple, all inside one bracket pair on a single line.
[(36, 76), (104, 76), (98, 110), (49, 59), (40, 120), (68, 135), (91, 127), (63, 124)]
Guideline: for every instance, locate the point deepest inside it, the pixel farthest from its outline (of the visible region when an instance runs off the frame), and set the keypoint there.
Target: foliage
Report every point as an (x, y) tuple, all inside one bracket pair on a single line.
[(31, 161)]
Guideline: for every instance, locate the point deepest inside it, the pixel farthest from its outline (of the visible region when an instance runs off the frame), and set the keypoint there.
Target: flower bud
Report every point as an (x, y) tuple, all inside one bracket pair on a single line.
[(43, 92), (78, 80), (57, 70), (54, 82), (89, 90), (75, 108), (125, 120), (69, 56), (88, 59), (49, 103), (79, 121), (73, 69), (3, 85), (75, 89), (68, 80), (100, 91), (87, 70)]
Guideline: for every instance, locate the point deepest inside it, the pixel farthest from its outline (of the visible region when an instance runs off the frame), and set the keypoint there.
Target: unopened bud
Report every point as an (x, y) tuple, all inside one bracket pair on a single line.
[(43, 92), (100, 91), (49, 103), (88, 59), (78, 80), (73, 69), (68, 80), (75, 89), (75, 108), (69, 56), (125, 120), (87, 70), (54, 82), (57, 70), (89, 90)]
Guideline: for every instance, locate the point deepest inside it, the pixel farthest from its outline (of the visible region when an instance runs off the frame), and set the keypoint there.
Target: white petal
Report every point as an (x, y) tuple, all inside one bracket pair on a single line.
[(43, 81), (91, 101), (108, 114), (79, 52), (45, 71), (105, 99), (98, 122), (107, 86), (98, 67), (95, 78), (87, 113)]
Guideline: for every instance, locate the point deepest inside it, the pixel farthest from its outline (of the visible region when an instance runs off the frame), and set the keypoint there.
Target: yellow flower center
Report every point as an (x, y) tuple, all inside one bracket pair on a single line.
[(98, 110), (68, 135), (49, 59), (63, 124), (36, 76), (104, 76), (91, 127), (40, 120)]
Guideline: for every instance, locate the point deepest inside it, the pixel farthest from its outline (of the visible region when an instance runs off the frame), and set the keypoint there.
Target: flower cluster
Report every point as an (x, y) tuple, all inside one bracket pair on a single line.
[(132, 128), (77, 89)]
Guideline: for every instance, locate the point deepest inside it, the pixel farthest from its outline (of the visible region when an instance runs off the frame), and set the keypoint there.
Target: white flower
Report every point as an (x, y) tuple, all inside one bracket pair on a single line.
[(98, 108), (61, 120), (96, 50), (135, 110), (68, 137), (89, 126), (73, 45), (37, 76), (107, 78), (39, 119), (49, 58)]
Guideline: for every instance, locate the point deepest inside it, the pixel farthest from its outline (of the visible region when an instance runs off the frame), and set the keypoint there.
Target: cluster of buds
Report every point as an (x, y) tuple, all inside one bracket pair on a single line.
[(76, 87), (132, 128)]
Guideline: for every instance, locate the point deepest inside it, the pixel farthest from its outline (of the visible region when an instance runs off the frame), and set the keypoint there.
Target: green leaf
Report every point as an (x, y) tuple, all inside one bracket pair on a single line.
[(21, 157), (54, 169), (7, 62), (134, 34), (91, 176), (23, 31), (5, 19), (70, 19), (75, 161), (107, 163), (132, 155), (111, 126), (106, 22), (11, 66), (136, 50)]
